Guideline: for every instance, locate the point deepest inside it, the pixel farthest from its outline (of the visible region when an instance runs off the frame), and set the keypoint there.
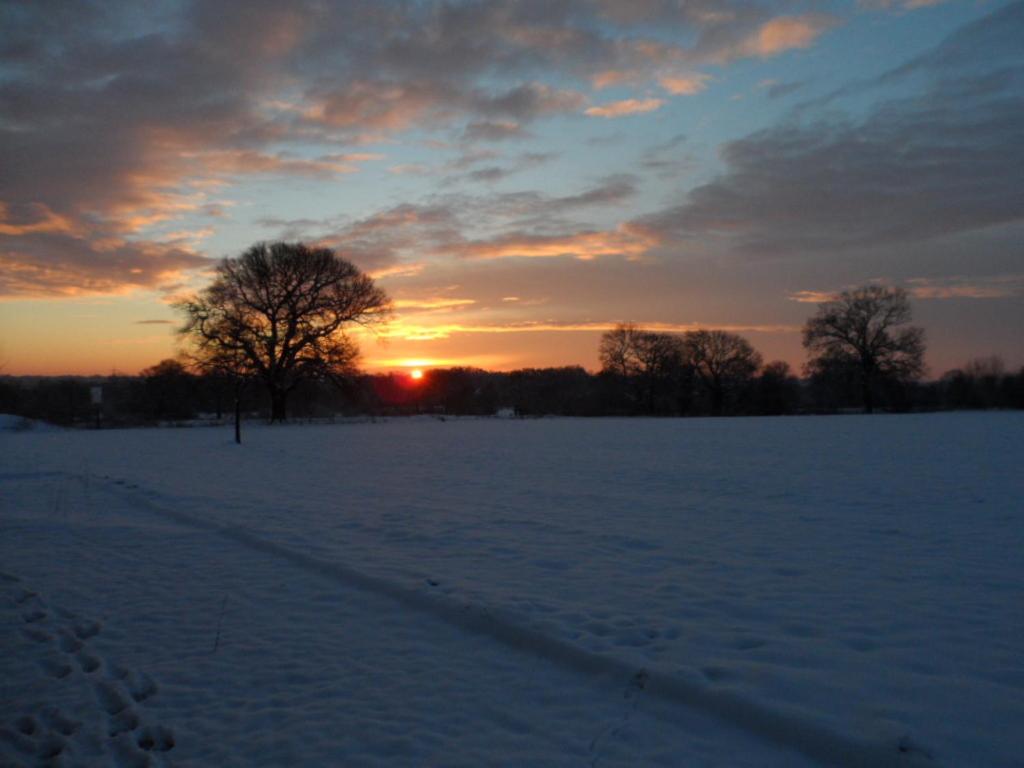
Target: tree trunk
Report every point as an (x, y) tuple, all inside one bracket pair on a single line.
[(865, 383), (717, 398), (278, 404)]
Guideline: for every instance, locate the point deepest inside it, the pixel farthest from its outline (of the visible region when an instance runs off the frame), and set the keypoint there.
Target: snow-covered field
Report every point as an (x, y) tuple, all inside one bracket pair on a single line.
[(763, 592)]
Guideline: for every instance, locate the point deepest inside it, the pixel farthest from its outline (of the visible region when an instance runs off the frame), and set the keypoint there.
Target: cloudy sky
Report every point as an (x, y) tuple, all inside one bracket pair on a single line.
[(519, 176)]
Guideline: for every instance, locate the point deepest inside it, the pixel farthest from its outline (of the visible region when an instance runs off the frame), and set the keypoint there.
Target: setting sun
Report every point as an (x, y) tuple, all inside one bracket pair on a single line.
[(416, 374)]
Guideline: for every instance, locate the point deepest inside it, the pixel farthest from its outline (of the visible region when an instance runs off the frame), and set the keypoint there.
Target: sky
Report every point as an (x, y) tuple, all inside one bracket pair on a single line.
[(518, 176)]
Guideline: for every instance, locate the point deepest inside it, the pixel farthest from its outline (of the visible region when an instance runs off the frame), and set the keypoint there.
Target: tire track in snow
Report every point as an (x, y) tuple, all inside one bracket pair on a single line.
[(779, 726)]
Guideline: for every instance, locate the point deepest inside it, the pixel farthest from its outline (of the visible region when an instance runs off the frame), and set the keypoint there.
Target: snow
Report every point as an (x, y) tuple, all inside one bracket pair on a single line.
[(12, 423), (789, 591)]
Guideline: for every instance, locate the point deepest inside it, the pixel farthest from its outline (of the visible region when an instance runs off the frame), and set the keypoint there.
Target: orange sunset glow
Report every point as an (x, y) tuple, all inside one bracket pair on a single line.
[(674, 167)]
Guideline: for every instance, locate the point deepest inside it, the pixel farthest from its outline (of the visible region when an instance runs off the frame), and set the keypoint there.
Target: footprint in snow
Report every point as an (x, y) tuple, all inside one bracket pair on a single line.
[(141, 687), (128, 755), (116, 697), (156, 738), (37, 635), (50, 746), (26, 725), (88, 662), (111, 698), (24, 596), (45, 737), (123, 722), (68, 642), (59, 722)]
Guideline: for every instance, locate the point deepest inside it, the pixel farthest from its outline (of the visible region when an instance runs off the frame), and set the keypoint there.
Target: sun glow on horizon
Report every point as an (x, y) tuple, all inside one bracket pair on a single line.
[(416, 374)]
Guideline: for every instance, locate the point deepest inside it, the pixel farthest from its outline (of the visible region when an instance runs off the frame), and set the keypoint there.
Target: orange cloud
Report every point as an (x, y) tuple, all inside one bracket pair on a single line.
[(782, 34), (625, 107), (41, 219), (610, 77), (811, 297), (422, 332), (23, 277), (192, 236), (925, 288), (373, 105), (397, 270), (581, 245), (684, 84), (960, 287), (431, 304)]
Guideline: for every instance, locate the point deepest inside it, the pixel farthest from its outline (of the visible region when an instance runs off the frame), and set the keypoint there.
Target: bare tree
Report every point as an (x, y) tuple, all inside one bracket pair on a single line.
[(981, 383), (865, 329), (723, 362), (617, 350), (653, 361), (278, 313), (229, 364), (169, 390)]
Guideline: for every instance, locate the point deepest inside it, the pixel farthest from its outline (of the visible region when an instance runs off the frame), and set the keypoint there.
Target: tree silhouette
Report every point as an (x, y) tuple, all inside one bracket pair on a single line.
[(168, 390), (860, 330), (278, 313), (653, 361), (723, 361), (776, 390)]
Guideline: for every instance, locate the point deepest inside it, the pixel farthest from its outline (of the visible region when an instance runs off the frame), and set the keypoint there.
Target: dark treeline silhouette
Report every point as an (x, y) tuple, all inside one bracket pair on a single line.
[(277, 314), (169, 393)]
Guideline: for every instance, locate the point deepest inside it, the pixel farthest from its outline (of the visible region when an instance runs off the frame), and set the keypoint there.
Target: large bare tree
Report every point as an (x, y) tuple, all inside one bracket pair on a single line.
[(723, 361), (866, 330), (278, 313), (653, 361)]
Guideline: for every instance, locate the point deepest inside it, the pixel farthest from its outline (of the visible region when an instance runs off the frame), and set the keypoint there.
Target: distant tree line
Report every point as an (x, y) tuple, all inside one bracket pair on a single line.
[(169, 393), (267, 338)]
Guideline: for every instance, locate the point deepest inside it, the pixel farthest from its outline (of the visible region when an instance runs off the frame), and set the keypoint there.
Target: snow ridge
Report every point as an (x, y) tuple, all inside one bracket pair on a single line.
[(665, 690)]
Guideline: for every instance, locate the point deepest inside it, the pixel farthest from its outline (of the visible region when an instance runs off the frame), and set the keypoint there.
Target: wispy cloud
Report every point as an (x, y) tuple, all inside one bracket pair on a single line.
[(494, 130), (950, 160), (908, 5), (685, 84), (963, 287), (423, 332), (777, 90), (429, 304), (930, 288), (812, 297), (782, 34), (625, 107), (585, 245)]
